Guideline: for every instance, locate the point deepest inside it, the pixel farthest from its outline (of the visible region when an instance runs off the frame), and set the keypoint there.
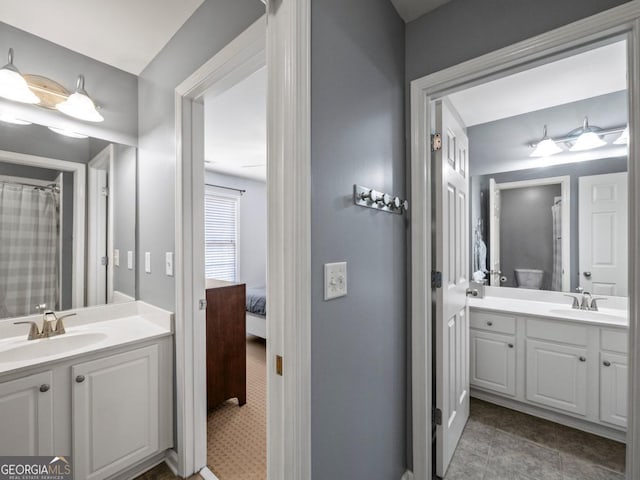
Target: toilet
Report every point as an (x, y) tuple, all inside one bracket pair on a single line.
[(529, 278)]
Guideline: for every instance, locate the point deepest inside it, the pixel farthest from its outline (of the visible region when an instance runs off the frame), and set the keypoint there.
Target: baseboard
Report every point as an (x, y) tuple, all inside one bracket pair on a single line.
[(140, 468), (579, 424), (171, 459), (408, 475), (207, 474)]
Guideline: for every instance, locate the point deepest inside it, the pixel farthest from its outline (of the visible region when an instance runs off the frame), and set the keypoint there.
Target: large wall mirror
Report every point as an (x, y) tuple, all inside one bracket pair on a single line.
[(67, 220)]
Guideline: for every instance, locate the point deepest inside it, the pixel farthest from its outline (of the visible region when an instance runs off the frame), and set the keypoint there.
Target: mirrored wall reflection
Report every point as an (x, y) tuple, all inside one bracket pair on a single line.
[(67, 221)]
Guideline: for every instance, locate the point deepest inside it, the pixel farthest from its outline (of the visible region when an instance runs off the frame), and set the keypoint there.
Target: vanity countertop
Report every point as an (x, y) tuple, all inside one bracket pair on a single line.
[(92, 330), (609, 317)]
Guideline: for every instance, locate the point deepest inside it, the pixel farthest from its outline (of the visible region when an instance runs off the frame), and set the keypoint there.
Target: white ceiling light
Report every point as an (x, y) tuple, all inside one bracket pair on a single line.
[(13, 86), (588, 139), (67, 133), (79, 105), (623, 139), (546, 147), (15, 121)]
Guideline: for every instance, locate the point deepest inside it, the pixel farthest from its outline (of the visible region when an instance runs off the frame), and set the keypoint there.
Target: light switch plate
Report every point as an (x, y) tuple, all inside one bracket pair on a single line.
[(116, 257), (147, 262), (130, 260), (335, 280), (168, 263)]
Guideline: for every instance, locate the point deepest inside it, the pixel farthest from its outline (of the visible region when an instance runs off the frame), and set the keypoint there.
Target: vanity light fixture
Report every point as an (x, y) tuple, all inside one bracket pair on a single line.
[(67, 133), (79, 105), (13, 86), (546, 147), (588, 139), (12, 120), (623, 139)]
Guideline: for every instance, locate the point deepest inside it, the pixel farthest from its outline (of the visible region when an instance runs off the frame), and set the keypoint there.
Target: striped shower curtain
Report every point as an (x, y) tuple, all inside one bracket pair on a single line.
[(556, 276), (29, 253)]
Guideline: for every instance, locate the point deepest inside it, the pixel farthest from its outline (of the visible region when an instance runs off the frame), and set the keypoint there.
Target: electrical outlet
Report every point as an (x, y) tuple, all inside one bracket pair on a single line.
[(147, 262), (116, 257), (335, 280), (130, 260)]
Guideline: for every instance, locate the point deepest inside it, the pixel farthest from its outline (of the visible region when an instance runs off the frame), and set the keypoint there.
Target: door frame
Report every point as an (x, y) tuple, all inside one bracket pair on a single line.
[(79, 208), (565, 192), (103, 161), (281, 38), (622, 20)]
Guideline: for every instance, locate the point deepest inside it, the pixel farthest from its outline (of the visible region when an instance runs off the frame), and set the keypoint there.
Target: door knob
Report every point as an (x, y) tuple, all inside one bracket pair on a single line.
[(472, 292), (587, 274), (80, 379), (44, 388), (606, 363)]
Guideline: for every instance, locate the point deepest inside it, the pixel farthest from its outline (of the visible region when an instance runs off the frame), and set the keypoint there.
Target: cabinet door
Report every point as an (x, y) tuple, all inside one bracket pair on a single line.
[(493, 362), (557, 376), (26, 416), (115, 412), (613, 389)]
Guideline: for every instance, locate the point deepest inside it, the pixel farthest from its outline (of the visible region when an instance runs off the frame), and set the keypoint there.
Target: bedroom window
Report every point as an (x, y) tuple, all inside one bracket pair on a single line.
[(220, 235)]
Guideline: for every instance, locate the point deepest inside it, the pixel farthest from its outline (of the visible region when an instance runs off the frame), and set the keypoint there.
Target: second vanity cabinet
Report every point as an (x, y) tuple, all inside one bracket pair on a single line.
[(571, 369)]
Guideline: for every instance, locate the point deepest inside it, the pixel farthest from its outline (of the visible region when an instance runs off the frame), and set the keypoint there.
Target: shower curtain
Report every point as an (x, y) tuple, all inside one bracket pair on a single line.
[(28, 249), (556, 276)]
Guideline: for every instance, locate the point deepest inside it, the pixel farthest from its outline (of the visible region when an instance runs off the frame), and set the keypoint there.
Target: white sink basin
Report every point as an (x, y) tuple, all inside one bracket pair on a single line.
[(588, 315), (46, 347)]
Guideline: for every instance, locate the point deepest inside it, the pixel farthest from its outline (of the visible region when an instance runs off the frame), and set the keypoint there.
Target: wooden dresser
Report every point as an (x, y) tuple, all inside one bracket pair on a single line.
[(226, 342)]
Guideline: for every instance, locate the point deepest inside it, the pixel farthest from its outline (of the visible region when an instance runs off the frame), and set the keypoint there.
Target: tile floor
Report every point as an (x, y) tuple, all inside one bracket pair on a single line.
[(502, 444)]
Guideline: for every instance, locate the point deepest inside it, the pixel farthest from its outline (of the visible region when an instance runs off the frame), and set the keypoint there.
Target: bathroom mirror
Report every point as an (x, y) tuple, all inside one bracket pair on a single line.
[(67, 220), (558, 228)]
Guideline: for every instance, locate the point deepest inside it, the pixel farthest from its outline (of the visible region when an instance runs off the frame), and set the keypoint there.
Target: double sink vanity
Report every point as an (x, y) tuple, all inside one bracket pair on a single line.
[(101, 392), (534, 352)]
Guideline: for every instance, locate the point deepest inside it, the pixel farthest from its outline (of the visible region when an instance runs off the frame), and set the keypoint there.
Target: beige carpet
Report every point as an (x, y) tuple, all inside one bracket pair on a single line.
[(237, 436)]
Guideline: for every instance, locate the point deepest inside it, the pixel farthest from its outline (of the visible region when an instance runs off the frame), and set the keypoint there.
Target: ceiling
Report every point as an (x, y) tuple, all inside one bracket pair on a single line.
[(592, 73), (236, 128), (409, 10), (126, 34)]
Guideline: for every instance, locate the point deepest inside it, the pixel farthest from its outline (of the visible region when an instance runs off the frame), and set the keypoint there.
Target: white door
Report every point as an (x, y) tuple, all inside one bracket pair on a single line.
[(115, 412), (494, 234), (97, 238), (603, 234), (451, 176), (26, 416), (613, 388), (493, 362), (557, 376)]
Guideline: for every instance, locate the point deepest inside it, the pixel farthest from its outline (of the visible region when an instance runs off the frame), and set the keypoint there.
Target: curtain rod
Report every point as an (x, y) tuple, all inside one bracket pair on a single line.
[(51, 186), (226, 188)]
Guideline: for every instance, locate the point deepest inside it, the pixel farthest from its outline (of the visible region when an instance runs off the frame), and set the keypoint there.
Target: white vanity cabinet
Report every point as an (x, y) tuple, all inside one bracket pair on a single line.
[(26, 415), (116, 401), (571, 372)]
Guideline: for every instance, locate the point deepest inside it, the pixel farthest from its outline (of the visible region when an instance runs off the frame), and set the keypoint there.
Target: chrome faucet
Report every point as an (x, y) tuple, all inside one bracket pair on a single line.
[(48, 319), (585, 302)]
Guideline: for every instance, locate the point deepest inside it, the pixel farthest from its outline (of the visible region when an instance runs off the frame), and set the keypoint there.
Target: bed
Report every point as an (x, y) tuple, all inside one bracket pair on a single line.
[(257, 312)]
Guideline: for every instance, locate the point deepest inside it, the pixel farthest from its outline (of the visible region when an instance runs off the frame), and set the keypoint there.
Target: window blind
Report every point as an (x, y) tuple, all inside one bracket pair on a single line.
[(221, 236)]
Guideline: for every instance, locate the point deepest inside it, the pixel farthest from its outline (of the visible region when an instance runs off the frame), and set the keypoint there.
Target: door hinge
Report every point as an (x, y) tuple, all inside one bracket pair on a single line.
[(279, 365), (105, 191), (104, 261), (436, 416), (436, 279), (436, 142), (202, 304)]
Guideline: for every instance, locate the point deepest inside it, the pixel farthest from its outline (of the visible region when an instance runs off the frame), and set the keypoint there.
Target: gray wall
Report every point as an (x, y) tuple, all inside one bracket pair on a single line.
[(464, 29), (574, 170), (526, 231), (123, 189), (114, 90), (209, 29), (358, 342), (252, 245)]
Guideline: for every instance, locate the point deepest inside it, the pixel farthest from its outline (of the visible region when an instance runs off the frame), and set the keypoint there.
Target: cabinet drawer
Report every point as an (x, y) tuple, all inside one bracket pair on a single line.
[(492, 322), (557, 332), (614, 341)]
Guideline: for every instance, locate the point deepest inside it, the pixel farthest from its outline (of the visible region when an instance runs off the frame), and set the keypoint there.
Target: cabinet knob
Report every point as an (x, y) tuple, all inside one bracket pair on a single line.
[(583, 359), (490, 323), (80, 379), (44, 387), (511, 345), (606, 363)]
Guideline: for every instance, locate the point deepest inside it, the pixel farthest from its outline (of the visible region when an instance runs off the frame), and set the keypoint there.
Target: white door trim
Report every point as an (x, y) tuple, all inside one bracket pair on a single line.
[(624, 19), (79, 205), (565, 189), (289, 238)]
